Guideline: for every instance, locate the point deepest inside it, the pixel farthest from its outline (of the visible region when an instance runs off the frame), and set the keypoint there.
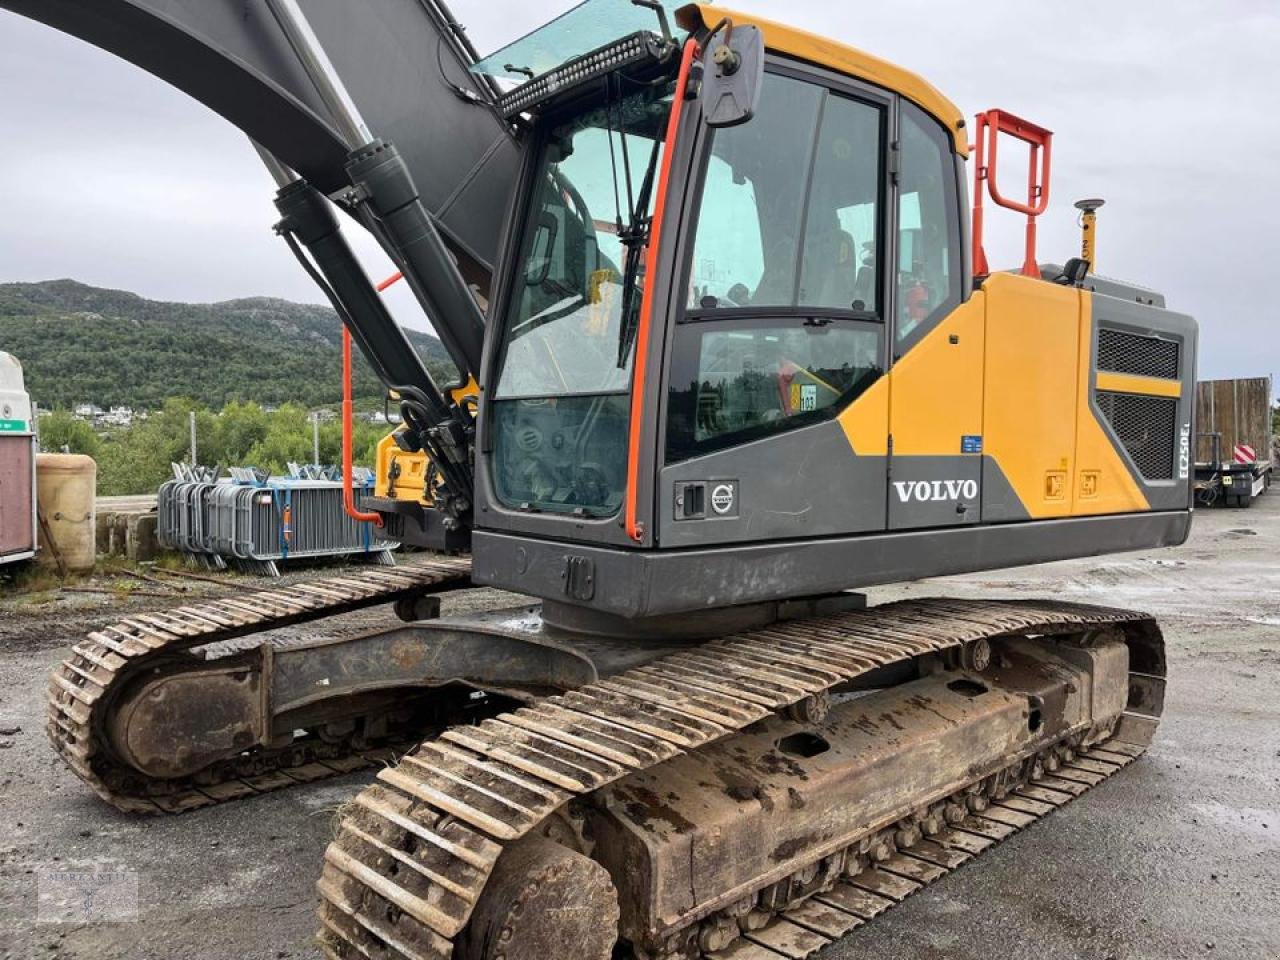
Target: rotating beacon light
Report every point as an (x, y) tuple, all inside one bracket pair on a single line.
[(1088, 229)]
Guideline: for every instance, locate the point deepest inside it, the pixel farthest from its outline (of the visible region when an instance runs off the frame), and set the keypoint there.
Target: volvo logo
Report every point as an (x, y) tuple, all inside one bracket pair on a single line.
[(934, 491), (722, 498)]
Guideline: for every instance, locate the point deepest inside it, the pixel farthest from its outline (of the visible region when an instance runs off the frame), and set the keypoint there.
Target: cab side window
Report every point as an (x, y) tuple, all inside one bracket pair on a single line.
[(790, 205), (751, 214), (928, 273), (842, 217)]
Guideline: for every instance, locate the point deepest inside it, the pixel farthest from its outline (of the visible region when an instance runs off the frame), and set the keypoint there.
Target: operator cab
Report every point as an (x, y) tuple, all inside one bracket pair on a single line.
[(736, 354), (766, 295)]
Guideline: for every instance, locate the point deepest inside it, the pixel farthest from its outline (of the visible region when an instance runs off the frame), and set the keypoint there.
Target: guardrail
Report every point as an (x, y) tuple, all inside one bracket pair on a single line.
[(255, 522)]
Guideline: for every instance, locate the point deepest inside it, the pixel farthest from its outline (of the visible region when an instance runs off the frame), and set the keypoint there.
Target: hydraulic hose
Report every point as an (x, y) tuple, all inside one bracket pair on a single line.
[(348, 491)]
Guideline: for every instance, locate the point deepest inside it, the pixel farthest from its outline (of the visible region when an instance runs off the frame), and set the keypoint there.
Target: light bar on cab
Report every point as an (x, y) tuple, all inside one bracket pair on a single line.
[(639, 49)]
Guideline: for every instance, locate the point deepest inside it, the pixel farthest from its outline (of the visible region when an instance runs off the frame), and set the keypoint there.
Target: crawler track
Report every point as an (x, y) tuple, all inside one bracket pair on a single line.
[(81, 689), (1025, 796), (416, 849)]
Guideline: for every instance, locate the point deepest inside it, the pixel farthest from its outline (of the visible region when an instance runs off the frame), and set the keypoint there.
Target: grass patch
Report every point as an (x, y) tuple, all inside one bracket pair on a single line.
[(30, 577)]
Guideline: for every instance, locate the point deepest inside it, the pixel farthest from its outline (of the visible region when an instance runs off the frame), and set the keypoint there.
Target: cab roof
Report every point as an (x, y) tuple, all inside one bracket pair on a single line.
[(825, 52)]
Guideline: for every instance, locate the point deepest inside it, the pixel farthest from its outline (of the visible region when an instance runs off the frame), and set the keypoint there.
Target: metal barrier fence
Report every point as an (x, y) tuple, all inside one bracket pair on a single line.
[(256, 522)]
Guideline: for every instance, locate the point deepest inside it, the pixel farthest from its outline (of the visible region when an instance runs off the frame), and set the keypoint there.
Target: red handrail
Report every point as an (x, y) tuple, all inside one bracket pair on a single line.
[(639, 367), (991, 124)]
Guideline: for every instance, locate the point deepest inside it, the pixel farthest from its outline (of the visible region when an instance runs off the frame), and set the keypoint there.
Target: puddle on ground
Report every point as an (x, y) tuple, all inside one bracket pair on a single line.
[(319, 799), (1254, 821)]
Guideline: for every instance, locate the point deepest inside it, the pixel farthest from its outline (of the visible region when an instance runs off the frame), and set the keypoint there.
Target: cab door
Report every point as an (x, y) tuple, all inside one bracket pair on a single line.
[(776, 416), (935, 385)]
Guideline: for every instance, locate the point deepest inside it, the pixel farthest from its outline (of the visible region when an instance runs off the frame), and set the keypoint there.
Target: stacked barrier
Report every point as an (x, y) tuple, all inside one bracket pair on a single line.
[(256, 521)]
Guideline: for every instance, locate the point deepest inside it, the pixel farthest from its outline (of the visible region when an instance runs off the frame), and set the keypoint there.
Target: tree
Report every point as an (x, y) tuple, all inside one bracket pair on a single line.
[(137, 459), (288, 437), (239, 427), (61, 431)]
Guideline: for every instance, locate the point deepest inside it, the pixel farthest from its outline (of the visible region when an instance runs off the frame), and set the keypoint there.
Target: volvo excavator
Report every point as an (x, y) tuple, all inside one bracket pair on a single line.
[(729, 349)]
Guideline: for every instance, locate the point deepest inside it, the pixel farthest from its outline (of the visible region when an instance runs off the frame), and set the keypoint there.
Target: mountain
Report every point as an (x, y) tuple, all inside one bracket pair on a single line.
[(83, 344)]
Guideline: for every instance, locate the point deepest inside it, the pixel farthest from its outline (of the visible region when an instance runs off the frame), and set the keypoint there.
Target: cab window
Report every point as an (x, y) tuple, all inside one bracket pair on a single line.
[(747, 245), (789, 215), (735, 382), (928, 274)]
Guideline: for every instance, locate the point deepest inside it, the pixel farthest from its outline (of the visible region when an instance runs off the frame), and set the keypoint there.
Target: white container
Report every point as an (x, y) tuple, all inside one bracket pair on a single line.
[(17, 465)]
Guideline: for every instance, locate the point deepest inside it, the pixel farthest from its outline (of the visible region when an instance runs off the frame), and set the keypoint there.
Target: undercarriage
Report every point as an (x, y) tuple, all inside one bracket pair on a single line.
[(167, 712), (751, 796)]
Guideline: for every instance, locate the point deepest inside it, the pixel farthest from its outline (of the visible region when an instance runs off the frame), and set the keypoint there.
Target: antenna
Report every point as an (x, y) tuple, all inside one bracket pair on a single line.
[(1089, 228)]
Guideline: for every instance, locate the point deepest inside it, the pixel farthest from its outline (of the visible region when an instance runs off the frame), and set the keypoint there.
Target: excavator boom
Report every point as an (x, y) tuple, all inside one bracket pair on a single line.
[(416, 91)]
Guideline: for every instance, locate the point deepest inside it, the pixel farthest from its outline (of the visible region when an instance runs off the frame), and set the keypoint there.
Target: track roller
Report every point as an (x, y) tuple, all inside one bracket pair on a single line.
[(543, 901)]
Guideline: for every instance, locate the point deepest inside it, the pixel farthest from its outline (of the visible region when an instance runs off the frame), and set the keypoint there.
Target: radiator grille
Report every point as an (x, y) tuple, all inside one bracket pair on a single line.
[(1147, 427), (1120, 352)]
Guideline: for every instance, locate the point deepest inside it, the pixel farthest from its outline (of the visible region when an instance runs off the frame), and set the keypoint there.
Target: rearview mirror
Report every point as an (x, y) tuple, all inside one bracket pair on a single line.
[(1074, 273), (538, 265), (732, 74)]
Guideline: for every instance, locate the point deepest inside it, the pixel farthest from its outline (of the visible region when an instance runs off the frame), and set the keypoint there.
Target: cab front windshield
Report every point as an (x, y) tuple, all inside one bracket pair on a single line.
[(562, 399)]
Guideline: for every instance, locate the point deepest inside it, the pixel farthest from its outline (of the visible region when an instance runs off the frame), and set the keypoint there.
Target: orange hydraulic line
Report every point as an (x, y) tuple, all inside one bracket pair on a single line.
[(390, 280), (348, 493), (634, 529)]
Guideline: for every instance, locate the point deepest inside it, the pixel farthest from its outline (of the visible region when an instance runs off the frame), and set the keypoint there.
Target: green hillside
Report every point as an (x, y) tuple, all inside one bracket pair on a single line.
[(82, 344)]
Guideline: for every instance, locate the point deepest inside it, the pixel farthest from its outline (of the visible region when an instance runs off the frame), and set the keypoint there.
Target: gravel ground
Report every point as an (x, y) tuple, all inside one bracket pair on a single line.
[(1178, 856)]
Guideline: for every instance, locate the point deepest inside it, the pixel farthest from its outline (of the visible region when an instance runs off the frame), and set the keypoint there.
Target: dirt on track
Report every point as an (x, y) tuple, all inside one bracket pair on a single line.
[(1178, 856)]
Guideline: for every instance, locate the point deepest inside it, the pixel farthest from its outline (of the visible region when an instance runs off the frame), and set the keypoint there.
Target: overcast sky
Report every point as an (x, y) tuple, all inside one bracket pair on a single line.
[(1166, 108)]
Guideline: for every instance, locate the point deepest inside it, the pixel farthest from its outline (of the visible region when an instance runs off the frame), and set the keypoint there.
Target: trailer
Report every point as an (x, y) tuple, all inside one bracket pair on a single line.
[(1234, 446), (17, 465)]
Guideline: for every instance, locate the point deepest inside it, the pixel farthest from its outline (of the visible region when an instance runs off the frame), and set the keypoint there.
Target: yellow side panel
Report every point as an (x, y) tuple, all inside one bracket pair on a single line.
[(410, 471), (1129, 383), (866, 420), (381, 465), (1032, 386), (1103, 483), (936, 395), (411, 468), (468, 391)]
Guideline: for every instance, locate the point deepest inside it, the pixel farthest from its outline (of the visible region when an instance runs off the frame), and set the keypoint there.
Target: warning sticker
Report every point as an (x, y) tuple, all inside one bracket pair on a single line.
[(808, 397)]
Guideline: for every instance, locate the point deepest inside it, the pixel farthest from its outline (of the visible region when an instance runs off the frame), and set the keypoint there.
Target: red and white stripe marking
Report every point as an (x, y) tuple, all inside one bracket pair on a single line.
[(1245, 454)]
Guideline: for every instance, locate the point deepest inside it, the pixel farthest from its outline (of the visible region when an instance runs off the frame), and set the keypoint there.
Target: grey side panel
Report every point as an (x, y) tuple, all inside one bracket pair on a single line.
[(803, 483), (942, 491), (1121, 289), (633, 584), (1000, 504), (1149, 321), (391, 54)]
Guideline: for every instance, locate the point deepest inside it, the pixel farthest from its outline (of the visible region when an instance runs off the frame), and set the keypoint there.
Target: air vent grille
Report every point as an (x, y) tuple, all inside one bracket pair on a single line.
[(1147, 427), (1120, 352)]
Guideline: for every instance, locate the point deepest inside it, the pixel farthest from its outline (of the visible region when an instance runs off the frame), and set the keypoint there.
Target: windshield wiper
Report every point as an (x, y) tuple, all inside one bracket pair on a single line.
[(635, 238)]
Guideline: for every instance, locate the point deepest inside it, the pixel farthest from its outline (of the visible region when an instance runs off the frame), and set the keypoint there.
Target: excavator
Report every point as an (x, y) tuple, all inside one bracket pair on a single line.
[(729, 349)]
